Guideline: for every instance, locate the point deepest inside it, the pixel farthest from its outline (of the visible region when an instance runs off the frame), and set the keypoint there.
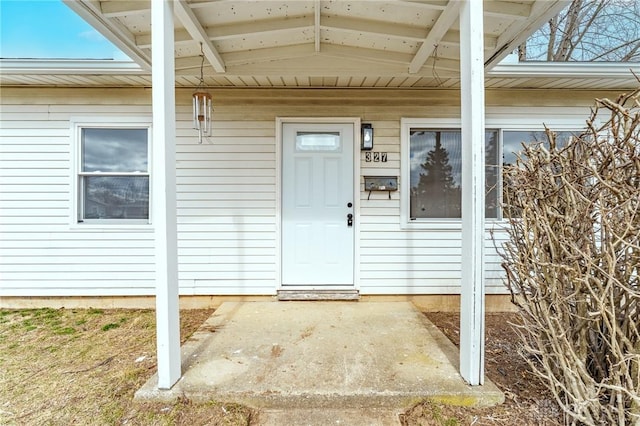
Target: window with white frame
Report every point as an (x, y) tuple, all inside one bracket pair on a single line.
[(434, 172), (432, 167), (113, 174)]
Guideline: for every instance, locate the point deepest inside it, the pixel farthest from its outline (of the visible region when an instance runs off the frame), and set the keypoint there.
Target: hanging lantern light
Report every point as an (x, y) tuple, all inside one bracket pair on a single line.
[(202, 106)]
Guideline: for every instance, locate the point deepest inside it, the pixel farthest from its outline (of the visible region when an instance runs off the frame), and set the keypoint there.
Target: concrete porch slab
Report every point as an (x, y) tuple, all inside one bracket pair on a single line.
[(331, 355)]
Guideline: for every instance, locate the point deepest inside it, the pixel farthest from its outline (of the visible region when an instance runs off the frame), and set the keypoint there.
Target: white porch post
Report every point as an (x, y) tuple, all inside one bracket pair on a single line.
[(164, 194), (473, 187)]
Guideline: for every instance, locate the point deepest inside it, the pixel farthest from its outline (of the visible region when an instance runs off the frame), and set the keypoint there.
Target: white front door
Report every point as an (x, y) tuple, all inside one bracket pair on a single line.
[(317, 205)]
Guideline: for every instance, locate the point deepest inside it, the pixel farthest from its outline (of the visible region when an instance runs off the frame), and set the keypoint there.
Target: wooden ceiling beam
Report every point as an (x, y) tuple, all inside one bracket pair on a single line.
[(260, 27), (507, 9), (185, 64), (272, 27), (452, 38), (269, 54), (195, 29), (340, 65), (229, 32), (114, 9), (439, 29), (180, 37), (198, 4), (330, 53), (372, 56), (424, 4), (245, 29), (367, 26), (375, 56), (316, 24)]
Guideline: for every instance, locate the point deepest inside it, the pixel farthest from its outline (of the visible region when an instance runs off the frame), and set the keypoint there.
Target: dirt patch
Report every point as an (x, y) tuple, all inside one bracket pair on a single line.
[(527, 401), (82, 366), (276, 351)]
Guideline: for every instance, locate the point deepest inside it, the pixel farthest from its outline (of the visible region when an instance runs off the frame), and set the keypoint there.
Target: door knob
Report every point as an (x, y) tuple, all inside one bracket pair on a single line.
[(349, 219)]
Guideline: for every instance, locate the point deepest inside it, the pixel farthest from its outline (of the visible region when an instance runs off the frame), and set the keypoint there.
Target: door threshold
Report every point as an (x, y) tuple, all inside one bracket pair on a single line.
[(291, 295)]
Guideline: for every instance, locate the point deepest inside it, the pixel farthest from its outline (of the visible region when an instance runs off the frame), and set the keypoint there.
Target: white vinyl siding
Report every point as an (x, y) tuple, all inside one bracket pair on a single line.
[(226, 195), (40, 255), (226, 208)]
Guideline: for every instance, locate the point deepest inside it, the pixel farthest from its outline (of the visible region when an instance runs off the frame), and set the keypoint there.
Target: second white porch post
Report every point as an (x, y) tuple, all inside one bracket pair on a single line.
[(163, 186), (473, 187)]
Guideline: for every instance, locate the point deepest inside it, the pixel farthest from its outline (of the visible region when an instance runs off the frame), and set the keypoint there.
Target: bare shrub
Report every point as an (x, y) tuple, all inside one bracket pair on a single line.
[(572, 263)]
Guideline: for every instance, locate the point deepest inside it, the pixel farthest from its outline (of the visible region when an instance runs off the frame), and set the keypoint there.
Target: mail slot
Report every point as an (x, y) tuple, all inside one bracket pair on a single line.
[(380, 183)]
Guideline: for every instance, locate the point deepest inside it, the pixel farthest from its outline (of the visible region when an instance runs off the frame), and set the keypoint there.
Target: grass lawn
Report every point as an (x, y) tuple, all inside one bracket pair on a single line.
[(82, 366)]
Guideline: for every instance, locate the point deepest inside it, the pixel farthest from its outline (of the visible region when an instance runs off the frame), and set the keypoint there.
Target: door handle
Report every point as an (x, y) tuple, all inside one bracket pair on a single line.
[(349, 219)]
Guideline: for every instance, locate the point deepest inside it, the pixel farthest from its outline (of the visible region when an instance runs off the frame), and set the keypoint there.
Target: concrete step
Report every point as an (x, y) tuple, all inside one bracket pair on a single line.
[(333, 417), (306, 295)]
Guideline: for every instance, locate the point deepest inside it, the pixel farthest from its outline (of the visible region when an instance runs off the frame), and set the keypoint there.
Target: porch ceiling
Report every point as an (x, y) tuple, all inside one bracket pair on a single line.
[(316, 43)]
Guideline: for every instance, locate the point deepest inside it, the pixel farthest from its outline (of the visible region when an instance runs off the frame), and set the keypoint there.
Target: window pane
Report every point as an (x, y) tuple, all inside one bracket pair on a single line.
[(436, 169), (491, 173), (114, 150), (314, 141), (116, 197), (435, 173), (512, 141)]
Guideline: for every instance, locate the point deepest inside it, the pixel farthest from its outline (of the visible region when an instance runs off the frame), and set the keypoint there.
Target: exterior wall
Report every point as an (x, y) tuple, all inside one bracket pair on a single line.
[(41, 254), (227, 204)]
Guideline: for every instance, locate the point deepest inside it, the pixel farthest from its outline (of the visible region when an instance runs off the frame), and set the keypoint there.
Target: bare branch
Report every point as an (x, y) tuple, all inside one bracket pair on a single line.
[(589, 30), (573, 263)]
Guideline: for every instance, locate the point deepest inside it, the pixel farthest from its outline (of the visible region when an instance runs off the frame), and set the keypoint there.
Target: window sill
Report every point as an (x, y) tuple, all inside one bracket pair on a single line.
[(112, 226), (446, 224)]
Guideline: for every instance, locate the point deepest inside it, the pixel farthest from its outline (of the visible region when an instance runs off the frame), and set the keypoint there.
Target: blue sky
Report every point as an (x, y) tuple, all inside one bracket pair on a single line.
[(49, 29)]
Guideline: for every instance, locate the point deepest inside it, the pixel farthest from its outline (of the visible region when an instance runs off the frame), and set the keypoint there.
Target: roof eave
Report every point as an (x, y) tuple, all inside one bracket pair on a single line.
[(70, 67), (609, 70)]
